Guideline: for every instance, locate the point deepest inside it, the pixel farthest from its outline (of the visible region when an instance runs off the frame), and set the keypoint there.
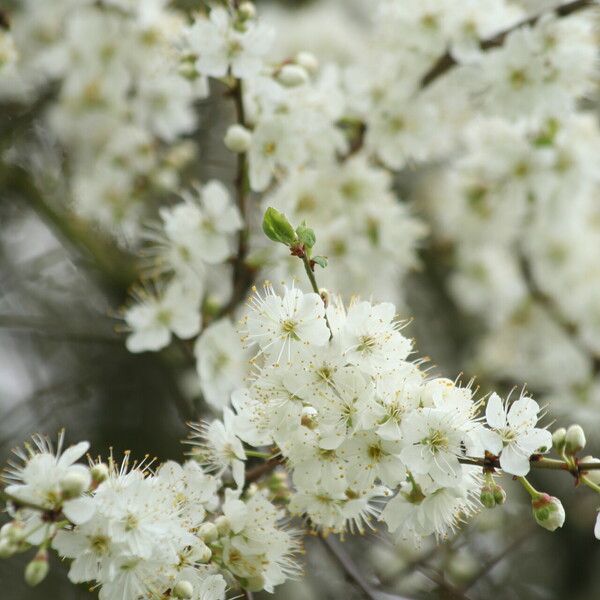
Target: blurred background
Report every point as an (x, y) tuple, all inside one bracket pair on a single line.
[(63, 364)]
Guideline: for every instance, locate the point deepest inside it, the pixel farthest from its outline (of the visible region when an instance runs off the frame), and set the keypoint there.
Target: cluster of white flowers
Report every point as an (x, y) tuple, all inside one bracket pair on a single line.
[(516, 195), (519, 208), (356, 421), (333, 394), (191, 246), (138, 533), (121, 104)]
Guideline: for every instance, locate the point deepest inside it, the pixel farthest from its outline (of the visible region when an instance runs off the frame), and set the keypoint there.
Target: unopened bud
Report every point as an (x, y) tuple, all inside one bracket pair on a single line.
[(238, 138), (492, 495), (593, 474), (308, 61), (499, 495), (208, 532), (558, 439), (7, 548), (223, 525), (247, 10), (99, 473), (200, 552), (37, 569), (292, 75), (12, 531), (548, 512), (183, 590), (487, 496), (575, 439), (255, 584), (309, 417), (75, 483)]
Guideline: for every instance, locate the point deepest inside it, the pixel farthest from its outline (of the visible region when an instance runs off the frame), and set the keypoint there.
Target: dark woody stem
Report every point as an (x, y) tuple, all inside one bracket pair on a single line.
[(446, 62)]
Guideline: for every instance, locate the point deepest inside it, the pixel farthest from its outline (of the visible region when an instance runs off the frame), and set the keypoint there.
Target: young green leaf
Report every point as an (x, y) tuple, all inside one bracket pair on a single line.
[(278, 228)]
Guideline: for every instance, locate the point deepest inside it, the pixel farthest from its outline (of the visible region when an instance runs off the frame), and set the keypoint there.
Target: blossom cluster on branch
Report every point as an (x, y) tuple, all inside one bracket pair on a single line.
[(477, 102)]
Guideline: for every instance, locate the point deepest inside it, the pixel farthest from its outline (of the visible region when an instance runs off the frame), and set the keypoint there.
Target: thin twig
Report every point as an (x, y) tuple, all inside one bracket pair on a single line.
[(492, 562), (446, 62), (257, 472), (352, 572)]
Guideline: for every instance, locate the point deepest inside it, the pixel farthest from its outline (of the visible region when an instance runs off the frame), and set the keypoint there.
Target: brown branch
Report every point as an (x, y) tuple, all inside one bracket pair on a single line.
[(243, 274), (352, 573), (257, 472), (492, 562), (446, 62)]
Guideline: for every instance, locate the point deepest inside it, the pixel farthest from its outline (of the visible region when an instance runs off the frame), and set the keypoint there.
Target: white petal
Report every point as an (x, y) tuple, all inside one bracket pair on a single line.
[(79, 510), (73, 453), (495, 414), (514, 462)]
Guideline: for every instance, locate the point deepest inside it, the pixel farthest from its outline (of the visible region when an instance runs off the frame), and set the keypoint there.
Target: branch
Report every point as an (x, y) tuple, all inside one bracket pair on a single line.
[(446, 62), (257, 472), (243, 276), (536, 462), (113, 268), (352, 573)]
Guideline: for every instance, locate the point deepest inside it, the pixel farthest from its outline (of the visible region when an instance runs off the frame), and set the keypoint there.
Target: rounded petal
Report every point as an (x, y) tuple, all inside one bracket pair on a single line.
[(495, 414), (514, 462)]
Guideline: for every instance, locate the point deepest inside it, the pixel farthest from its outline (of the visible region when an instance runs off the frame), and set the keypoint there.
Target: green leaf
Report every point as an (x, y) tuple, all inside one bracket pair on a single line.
[(306, 235), (321, 261), (278, 228)]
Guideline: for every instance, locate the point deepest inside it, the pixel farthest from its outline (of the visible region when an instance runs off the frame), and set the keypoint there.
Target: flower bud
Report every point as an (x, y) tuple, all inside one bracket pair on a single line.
[(37, 569), (13, 531), (255, 584), (499, 495), (575, 439), (7, 548), (247, 10), (223, 525), (200, 552), (238, 138), (292, 75), (183, 590), (308, 61), (487, 497), (548, 512), (208, 532), (99, 473), (593, 474), (309, 417), (73, 484), (558, 439)]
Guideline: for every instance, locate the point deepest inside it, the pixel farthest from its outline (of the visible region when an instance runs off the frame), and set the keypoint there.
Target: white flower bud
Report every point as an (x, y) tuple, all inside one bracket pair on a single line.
[(37, 569), (594, 474), (99, 472), (73, 484), (208, 532), (238, 138), (575, 439), (7, 548), (223, 525), (12, 531), (292, 75), (308, 60), (548, 512), (183, 590), (558, 439), (309, 417), (247, 10)]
